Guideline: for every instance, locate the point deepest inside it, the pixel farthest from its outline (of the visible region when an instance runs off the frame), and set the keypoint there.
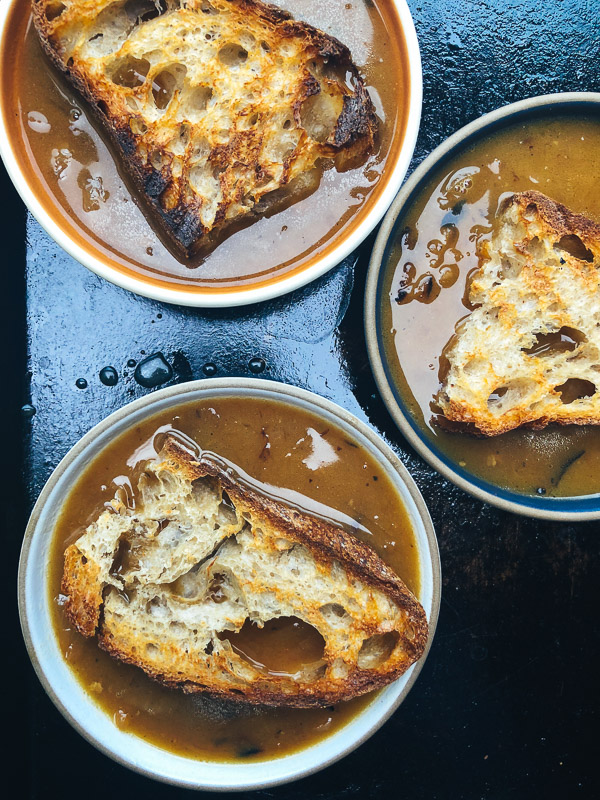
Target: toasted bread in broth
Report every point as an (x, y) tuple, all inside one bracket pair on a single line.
[(204, 552), (529, 353), (214, 106)]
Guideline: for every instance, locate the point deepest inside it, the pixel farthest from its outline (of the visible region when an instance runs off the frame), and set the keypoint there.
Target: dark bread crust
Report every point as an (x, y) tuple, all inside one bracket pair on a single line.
[(83, 591), (558, 217), (180, 224)]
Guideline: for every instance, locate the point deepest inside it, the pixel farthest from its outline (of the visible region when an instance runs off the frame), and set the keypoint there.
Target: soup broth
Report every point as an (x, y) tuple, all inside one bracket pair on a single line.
[(278, 445), (436, 245), (73, 170)]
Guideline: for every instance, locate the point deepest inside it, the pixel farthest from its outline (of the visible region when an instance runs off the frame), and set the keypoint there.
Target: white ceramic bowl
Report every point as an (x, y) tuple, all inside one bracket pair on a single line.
[(160, 288), (71, 697)]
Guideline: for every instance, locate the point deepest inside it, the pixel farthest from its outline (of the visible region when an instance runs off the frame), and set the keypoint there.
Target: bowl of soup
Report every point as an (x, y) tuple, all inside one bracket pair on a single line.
[(289, 440), (74, 184), (435, 233)]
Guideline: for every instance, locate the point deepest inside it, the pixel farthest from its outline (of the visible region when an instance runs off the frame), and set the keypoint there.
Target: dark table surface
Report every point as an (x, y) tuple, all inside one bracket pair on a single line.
[(507, 703)]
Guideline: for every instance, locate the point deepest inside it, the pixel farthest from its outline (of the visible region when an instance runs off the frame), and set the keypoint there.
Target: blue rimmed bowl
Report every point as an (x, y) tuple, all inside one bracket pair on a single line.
[(394, 382), (77, 702)]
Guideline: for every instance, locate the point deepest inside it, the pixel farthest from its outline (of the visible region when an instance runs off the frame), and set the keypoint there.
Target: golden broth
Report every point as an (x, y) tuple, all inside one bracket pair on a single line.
[(276, 444), (437, 245), (73, 171)]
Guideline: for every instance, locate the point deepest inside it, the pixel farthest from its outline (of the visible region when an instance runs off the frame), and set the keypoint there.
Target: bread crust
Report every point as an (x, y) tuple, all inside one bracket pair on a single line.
[(237, 171), (538, 277), (387, 617)]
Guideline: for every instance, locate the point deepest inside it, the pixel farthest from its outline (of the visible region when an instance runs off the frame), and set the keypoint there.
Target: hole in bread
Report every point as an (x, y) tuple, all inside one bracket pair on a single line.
[(474, 366), (573, 245), (129, 71), (158, 160), (165, 83), (217, 589), (161, 525), (497, 395), (265, 47), (200, 150), (510, 267), (200, 97), (208, 189), (232, 54), (54, 10), (124, 560), (178, 145), (586, 352), (575, 389), (278, 149), (208, 8), (247, 40), (409, 632), (376, 650), (319, 115), (218, 169), (535, 248), (511, 394), (561, 341), (333, 610), (195, 102), (144, 10), (283, 646), (132, 104), (226, 515), (116, 22), (152, 649), (209, 648), (138, 126)]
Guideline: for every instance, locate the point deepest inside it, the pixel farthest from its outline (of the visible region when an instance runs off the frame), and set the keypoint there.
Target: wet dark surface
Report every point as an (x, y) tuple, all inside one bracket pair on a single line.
[(507, 703)]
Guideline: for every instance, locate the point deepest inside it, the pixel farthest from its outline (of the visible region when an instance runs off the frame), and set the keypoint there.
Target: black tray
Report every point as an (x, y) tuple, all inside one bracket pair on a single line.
[(507, 703)]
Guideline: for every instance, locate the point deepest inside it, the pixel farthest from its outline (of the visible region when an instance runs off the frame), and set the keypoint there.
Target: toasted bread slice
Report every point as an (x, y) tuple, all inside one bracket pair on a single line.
[(212, 104), (529, 354), (167, 585)]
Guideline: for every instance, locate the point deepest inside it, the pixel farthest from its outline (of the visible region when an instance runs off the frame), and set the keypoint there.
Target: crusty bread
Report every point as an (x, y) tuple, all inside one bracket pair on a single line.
[(213, 104), (529, 353), (203, 552)]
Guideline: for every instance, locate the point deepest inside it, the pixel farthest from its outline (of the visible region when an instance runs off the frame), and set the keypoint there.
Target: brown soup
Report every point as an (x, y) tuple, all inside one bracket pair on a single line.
[(276, 444), (71, 168), (437, 243)]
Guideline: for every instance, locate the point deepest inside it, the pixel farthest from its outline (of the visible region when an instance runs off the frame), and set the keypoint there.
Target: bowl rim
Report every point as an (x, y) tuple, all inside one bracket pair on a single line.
[(30, 600), (549, 508), (202, 297)]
